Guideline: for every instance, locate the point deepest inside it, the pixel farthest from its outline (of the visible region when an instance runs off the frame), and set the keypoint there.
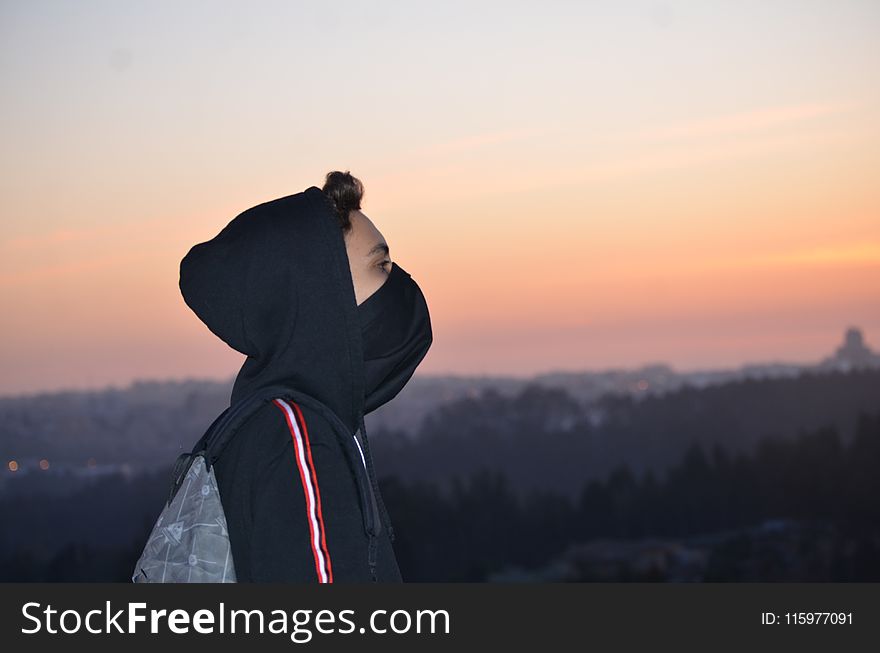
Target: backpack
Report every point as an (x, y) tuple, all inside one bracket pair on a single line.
[(189, 542)]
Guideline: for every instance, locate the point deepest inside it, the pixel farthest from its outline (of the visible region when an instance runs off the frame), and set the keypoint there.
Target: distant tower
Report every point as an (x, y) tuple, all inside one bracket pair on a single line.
[(853, 353)]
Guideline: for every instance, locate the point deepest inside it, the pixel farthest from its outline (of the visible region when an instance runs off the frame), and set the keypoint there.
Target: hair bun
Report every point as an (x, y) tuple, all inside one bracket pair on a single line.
[(346, 192)]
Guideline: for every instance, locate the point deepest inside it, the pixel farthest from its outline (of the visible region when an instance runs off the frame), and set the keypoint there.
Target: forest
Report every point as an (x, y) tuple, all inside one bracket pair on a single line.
[(772, 481)]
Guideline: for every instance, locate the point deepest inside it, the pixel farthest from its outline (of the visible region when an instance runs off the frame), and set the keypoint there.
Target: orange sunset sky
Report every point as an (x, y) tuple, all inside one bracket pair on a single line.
[(574, 185)]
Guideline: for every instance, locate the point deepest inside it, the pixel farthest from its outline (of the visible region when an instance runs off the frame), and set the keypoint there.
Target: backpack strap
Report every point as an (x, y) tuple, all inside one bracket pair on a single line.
[(225, 426), (221, 430)]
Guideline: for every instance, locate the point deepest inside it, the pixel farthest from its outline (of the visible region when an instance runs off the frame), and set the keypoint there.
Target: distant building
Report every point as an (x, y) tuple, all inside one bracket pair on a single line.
[(852, 354)]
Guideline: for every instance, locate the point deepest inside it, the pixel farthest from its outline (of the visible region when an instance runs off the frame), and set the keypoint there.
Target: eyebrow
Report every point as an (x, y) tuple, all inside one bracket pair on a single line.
[(380, 247)]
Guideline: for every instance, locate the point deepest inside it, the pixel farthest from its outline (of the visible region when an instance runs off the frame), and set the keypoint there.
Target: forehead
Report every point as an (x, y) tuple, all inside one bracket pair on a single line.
[(364, 235)]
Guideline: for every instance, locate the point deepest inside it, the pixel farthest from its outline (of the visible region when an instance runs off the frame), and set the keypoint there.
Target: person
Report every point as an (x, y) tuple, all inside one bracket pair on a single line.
[(305, 287)]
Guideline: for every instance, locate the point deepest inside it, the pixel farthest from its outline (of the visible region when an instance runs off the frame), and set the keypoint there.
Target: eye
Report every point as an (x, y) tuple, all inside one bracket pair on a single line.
[(382, 265)]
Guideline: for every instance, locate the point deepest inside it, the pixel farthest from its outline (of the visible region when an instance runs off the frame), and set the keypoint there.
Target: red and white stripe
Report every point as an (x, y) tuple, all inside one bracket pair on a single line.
[(303, 453)]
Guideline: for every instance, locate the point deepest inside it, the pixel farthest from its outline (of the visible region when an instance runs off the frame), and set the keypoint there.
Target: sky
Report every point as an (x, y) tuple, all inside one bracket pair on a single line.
[(574, 185)]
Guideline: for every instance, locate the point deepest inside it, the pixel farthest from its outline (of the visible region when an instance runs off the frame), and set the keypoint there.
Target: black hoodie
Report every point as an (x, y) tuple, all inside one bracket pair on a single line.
[(297, 480)]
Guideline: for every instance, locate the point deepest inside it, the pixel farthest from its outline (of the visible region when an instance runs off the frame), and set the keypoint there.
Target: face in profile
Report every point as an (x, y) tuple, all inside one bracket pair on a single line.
[(368, 256)]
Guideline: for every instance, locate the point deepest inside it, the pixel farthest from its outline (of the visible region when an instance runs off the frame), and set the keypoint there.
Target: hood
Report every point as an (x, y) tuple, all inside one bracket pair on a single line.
[(275, 284)]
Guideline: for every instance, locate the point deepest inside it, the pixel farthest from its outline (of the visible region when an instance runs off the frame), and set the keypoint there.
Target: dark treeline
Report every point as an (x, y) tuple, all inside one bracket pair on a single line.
[(542, 439), (89, 534), (479, 525)]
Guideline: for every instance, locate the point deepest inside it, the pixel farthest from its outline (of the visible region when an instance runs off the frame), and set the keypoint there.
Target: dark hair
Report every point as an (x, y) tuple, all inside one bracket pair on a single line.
[(346, 193)]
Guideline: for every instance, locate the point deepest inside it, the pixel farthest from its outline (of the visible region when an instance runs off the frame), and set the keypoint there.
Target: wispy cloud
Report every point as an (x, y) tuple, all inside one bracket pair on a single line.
[(854, 253), (63, 253), (864, 253), (31, 242), (744, 122), (65, 273)]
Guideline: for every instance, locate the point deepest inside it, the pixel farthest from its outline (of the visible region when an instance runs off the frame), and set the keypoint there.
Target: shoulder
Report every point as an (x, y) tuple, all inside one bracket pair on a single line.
[(269, 439), (279, 424)]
